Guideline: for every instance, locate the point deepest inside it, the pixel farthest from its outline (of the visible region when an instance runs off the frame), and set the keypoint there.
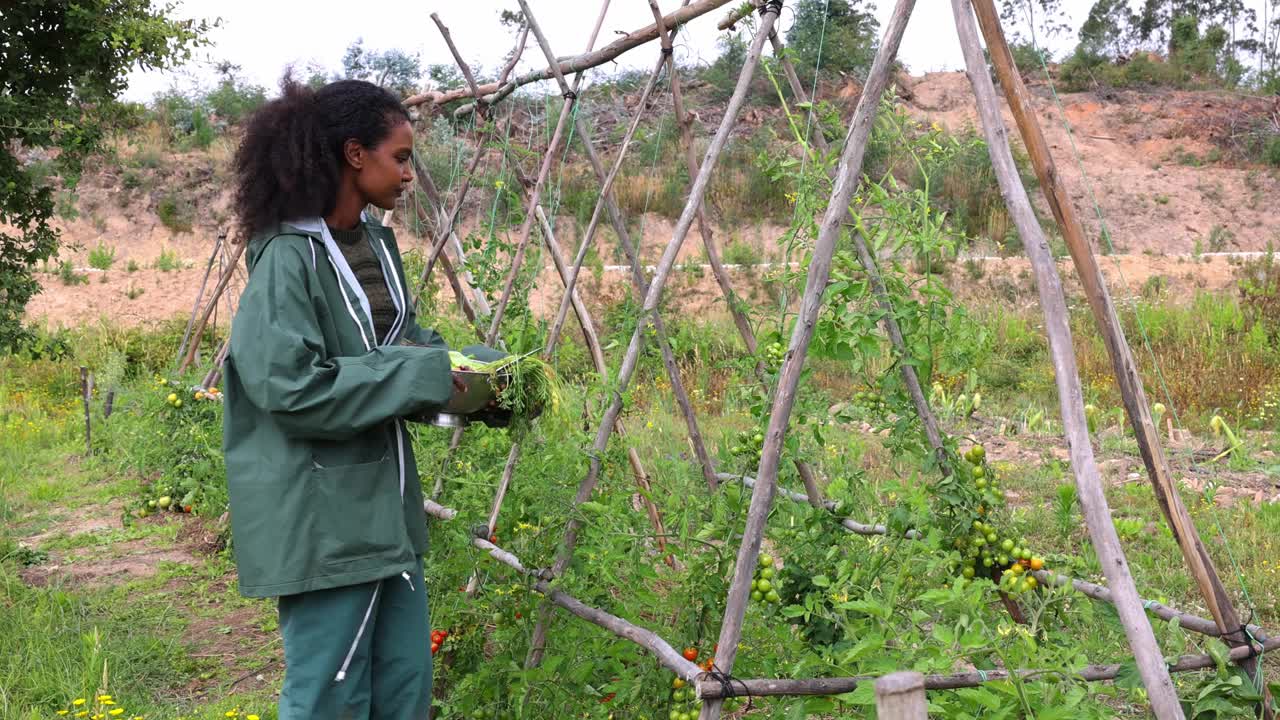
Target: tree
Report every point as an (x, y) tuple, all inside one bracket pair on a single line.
[(1105, 32), (393, 69), (833, 36), (1041, 18), (62, 64)]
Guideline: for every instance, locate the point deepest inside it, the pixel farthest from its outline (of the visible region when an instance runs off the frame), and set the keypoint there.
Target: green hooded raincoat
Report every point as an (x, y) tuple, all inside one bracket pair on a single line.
[(323, 485)]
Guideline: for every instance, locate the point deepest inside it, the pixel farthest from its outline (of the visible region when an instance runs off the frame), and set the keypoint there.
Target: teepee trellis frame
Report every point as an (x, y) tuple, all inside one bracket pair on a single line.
[(1121, 591)]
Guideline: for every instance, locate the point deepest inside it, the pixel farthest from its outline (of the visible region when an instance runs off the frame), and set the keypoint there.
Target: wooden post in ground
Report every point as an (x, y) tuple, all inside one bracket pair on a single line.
[(848, 175), (1093, 503), (632, 357), (684, 121), (900, 696), (1095, 288), (86, 395)]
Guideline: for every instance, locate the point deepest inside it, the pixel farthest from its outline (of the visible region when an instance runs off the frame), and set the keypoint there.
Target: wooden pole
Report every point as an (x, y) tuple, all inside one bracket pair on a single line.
[(1142, 641), (474, 583), (1194, 623), (684, 120), (494, 92), (553, 335), (562, 122), (445, 233), (195, 307), (620, 227), (663, 270), (900, 696), (848, 174), (213, 303), (469, 300), (865, 258), (1132, 391), (86, 395), (709, 689)]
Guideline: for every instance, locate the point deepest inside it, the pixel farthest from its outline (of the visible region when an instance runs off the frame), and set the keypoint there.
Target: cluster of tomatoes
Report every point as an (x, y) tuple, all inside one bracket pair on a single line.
[(984, 547), (176, 391), (870, 401), (772, 355), (747, 446), (684, 701), (762, 584), (437, 640), (164, 502)]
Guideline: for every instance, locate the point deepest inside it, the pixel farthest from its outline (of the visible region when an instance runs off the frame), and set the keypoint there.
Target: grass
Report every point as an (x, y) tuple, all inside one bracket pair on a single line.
[(154, 635), (176, 213)]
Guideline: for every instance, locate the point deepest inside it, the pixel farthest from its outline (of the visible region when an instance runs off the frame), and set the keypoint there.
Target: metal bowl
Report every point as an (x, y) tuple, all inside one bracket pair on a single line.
[(478, 394)]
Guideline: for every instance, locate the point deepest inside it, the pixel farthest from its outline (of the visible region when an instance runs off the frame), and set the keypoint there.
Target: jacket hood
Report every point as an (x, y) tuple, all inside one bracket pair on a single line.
[(308, 227)]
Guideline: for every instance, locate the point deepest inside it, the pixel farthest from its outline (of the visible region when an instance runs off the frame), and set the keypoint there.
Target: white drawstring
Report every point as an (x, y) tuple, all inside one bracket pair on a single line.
[(408, 579), (346, 663)]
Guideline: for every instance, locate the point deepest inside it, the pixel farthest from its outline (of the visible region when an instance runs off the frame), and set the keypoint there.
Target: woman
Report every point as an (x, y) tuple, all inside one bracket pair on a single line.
[(326, 361)]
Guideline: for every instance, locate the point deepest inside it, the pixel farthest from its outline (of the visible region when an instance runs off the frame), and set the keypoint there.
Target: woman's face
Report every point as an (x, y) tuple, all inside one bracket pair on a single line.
[(384, 171)]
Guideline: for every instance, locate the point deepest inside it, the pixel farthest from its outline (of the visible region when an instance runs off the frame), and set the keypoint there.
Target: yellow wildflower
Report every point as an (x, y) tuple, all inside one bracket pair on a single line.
[(78, 702), (251, 717), (104, 698), (63, 712), (82, 713), (117, 711)]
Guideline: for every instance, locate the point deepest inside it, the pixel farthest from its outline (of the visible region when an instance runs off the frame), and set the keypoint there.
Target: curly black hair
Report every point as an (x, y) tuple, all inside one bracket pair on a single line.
[(289, 162)]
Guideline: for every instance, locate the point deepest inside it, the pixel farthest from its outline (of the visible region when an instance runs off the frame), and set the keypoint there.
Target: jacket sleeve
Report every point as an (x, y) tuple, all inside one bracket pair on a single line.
[(279, 352)]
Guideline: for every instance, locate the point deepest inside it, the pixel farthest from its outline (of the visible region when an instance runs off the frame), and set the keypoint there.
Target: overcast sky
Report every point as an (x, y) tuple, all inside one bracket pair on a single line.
[(263, 36)]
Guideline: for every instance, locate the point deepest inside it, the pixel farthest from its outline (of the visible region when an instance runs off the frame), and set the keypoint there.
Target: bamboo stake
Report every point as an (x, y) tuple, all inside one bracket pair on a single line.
[(1151, 666), (649, 309), (495, 92), (1095, 288), (620, 227), (195, 308), (213, 303), (847, 175), (684, 120), (900, 696), (712, 689)]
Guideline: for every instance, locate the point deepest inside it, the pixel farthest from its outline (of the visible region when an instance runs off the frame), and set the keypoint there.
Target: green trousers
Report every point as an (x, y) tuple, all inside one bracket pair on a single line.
[(358, 653)]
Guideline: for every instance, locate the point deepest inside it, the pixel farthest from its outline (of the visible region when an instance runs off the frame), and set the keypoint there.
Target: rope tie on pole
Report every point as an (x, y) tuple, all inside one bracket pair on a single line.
[(727, 689), (569, 95), (772, 6)]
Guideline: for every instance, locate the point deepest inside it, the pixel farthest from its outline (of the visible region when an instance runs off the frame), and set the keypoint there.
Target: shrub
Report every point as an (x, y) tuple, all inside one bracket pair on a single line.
[(102, 257), (168, 261), (175, 212), (67, 273)]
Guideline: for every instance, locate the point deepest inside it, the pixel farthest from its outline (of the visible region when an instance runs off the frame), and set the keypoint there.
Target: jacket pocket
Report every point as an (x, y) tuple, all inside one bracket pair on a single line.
[(358, 512)]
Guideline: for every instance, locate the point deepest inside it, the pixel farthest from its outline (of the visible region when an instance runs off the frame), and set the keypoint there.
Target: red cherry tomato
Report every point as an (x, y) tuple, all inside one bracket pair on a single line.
[(691, 654)]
